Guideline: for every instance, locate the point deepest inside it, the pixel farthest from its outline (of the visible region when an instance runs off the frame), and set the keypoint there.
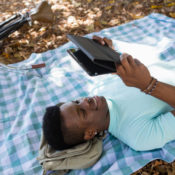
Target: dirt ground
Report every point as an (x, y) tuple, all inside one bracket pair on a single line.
[(77, 17)]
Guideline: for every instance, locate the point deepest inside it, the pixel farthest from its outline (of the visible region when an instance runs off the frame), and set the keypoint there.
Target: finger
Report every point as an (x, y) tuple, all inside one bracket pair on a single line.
[(131, 61), (137, 62), (120, 70), (99, 39), (95, 37), (116, 67), (108, 41), (125, 63)]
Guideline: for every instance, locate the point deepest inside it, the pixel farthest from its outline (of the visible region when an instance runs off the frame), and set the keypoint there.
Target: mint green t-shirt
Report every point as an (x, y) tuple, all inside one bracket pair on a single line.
[(139, 120)]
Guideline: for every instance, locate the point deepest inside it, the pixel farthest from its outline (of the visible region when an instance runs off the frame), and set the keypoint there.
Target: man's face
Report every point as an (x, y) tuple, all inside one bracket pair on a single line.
[(86, 113)]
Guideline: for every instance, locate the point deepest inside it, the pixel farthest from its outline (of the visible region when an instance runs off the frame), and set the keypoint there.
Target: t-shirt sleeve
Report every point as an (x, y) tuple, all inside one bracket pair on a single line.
[(157, 132)]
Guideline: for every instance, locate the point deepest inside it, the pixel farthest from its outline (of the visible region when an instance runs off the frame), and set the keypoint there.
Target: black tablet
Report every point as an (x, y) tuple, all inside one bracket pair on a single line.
[(93, 57)]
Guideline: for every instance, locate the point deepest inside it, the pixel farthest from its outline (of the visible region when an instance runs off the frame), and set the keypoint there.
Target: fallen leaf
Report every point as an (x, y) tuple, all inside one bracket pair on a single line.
[(108, 7), (111, 1), (42, 29), (135, 3), (114, 22), (156, 163), (97, 23), (17, 55), (145, 173), (104, 22), (136, 16), (173, 165), (90, 28), (171, 4), (71, 19), (172, 15), (6, 55), (89, 1), (156, 6), (8, 50)]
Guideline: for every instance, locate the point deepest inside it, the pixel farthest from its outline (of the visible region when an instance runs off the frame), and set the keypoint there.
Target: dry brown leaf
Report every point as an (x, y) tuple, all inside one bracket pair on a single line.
[(171, 4), (97, 23), (114, 22), (145, 173), (17, 55), (135, 3), (6, 55), (42, 29), (89, 1), (111, 1), (137, 16), (30, 45), (8, 50), (156, 6), (173, 165), (172, 15), (156, 163), (90, 28), (108, 7), (104, 22)]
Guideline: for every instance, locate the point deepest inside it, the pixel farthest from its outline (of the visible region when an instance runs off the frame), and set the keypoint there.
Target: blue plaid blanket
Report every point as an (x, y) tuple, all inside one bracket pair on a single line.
[(24, 95)]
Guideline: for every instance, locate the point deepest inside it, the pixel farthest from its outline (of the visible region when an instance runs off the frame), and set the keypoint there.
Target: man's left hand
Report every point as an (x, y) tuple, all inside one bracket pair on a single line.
[(103, 41)]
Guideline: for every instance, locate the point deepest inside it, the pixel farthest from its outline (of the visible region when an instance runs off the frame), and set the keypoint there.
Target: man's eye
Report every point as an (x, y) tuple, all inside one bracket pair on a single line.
[(76, 101)]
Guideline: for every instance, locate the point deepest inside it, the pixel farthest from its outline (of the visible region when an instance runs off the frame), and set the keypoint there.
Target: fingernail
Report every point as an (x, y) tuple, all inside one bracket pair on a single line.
[(121, 57)]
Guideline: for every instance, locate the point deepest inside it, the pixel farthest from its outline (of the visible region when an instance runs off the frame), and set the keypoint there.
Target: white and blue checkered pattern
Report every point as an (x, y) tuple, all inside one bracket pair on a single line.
[(24, 95)]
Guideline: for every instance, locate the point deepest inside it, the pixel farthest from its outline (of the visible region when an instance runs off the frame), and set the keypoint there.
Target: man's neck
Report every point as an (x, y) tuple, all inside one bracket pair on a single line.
[(108, 120)]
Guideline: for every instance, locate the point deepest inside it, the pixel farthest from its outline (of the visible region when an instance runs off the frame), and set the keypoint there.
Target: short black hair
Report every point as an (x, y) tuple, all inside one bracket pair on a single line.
[(52, 129)]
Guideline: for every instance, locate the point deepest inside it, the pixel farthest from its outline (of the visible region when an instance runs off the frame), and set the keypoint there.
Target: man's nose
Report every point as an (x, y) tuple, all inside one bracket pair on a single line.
[(85, 103)]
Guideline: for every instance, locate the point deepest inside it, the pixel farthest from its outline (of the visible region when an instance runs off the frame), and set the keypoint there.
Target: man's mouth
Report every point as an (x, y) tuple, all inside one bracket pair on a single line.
[(96, 101)]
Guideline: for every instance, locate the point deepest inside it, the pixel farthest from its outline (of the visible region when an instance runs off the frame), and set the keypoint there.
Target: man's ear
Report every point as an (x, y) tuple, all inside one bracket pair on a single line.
[(89, 134)]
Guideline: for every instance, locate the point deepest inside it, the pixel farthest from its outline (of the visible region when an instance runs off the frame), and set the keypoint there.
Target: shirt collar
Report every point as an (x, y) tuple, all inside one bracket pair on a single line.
[(113, 113)]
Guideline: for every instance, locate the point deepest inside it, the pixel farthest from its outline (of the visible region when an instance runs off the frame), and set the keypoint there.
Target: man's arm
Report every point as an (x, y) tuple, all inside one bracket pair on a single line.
[(173, 112), (155, 133), (135, 74), (165, 92)]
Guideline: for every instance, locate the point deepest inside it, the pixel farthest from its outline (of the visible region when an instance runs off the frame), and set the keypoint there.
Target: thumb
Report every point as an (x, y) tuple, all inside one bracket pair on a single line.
[(114, 73)]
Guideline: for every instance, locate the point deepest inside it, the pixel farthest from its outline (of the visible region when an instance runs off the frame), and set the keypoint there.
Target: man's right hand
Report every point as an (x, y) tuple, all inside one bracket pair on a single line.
[(133, 72)]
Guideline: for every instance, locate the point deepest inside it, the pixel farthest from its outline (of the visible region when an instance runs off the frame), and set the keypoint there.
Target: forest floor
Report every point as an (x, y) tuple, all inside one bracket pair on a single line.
[(77, 17)]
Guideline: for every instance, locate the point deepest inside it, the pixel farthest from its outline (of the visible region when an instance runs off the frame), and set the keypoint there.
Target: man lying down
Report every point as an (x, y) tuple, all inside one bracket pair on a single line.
[(137, 108)]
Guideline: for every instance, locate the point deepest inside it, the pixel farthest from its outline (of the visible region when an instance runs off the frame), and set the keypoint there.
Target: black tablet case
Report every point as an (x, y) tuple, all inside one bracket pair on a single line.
[(94, 58)]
